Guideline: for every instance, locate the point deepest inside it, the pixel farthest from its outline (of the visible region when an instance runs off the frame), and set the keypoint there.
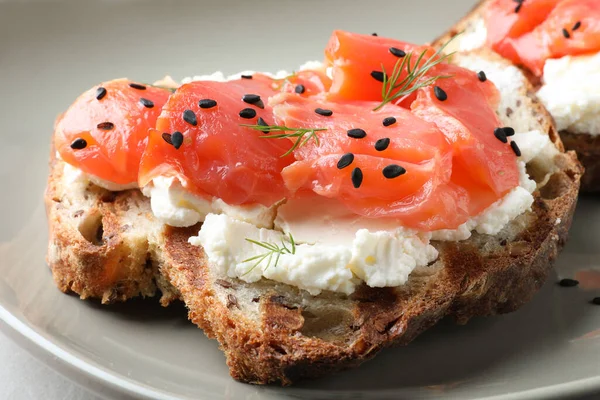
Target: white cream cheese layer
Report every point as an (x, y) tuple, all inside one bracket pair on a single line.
[(571, 93), (377, 258), (175, 206), (75, 176)]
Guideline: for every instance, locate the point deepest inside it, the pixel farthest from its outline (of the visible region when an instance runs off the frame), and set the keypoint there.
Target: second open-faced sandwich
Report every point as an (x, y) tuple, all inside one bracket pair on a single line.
[(557, 44)]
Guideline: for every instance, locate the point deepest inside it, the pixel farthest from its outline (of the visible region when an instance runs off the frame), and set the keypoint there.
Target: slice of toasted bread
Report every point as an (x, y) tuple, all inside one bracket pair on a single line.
[(472, 36), (273, 332), (276, 333)]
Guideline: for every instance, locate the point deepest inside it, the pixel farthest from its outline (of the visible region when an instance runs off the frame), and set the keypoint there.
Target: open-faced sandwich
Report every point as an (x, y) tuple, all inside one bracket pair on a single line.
[(310, 220), (557, 44)]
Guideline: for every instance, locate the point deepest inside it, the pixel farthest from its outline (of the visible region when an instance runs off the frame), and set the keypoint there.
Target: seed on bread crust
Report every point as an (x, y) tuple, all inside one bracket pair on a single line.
[(232, 301), (224, 283)]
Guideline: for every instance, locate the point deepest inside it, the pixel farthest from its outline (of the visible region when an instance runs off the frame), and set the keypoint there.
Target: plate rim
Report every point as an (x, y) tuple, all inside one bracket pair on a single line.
[(99, 374), (116, 381)]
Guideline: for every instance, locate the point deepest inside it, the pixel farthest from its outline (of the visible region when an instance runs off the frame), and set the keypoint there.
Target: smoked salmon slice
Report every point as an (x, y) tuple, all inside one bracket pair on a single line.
[(199, 139), (530, 32), (400, 170), (358, 63), (483, 160), (104, 132), (432, 168)]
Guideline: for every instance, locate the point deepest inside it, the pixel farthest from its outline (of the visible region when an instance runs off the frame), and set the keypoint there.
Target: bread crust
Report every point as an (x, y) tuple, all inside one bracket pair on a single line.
[(94, 249), (587, 148)]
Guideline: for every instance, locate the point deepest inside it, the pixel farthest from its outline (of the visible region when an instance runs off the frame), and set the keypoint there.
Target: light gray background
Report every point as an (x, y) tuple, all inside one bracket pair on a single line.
[(24, 377)]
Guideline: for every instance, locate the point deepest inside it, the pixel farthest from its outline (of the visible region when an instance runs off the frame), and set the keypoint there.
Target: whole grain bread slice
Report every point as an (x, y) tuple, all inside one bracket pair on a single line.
[(586, 146), (108, 245), (275, 333)]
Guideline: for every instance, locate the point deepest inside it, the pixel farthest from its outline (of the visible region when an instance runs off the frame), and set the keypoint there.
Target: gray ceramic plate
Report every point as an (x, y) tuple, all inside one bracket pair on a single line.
[(50, 52)]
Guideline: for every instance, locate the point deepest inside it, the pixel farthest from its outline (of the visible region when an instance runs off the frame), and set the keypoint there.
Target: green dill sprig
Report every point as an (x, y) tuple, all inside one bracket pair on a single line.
[(273, 251), (395, 88), (303, 134)]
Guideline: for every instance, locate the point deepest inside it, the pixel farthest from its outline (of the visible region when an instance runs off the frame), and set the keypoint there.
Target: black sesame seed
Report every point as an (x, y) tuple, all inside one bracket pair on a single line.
[(397, 52), (576, 26), (100, 93), (393, 171), (207, 103), (146, 103), (251, 98), (246, 76), (500, 135), (377, 75), (566, 33), (262, 122), (78, 144), (440, 94), (518, 7), (345, 160), (357, 177), (482, 77), (568, 282), (356, 133), (190, 117), (515, 148), (167, 138), (137, 86), (596, 301), (105, 126), (509, 131), (324, 112), (382, 144), (299, 89), (374, 34), (177, 139), (389, 121), (248, 113)]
